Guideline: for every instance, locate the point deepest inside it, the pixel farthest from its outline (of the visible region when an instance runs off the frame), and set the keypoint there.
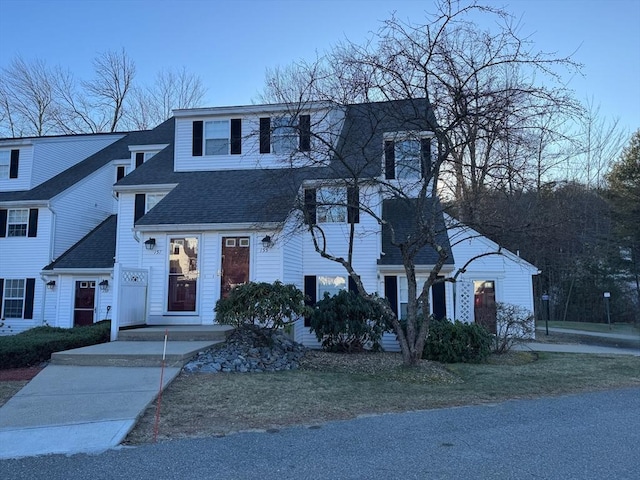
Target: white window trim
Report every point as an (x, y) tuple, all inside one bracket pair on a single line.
[(196, 273), (25, 223), (6, 296), (5, 164), (323, 211), (205, 138)]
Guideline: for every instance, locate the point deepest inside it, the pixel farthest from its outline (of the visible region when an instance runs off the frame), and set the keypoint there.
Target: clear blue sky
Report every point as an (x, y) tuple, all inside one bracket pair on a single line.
[(230, 43)]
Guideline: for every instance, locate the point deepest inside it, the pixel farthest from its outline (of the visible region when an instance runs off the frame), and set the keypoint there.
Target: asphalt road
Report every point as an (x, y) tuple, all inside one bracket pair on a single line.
[(587, 436)]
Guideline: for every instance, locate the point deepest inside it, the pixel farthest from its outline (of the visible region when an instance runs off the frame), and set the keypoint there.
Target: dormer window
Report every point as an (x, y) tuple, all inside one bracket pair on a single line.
[(285, 135), (9, 164), (217, 137), (407, 156)]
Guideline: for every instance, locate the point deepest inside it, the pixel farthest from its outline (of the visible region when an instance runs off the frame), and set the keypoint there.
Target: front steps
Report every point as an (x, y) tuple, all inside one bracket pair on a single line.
[(143, 347)]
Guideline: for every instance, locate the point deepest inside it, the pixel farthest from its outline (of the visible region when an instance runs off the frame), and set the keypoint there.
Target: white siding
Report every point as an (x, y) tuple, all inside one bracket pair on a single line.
[(329, 123), (53, 156), (81, 208), (25, 165), (128, 250)]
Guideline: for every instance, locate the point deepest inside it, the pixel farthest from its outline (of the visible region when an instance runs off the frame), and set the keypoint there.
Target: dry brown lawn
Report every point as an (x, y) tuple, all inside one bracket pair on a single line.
[(334, 386)]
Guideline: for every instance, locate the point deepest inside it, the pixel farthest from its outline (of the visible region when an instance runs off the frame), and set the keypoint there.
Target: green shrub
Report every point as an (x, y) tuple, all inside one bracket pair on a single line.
[(269, 305), (347, 322), (457, 342), (36, 345)]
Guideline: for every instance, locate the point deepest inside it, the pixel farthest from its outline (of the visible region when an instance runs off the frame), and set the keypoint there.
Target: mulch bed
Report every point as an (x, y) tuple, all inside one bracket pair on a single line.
[(19, 374)]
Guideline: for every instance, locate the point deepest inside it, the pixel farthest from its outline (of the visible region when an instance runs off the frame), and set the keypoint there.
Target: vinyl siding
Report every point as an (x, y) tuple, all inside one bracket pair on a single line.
[(53, 156), (81, 208), (25, 166), (329, 122), (128, 250), (59, 303)]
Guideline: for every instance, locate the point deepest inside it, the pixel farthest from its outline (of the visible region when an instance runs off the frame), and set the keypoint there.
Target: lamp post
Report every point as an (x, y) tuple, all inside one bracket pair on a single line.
[(545, 303)]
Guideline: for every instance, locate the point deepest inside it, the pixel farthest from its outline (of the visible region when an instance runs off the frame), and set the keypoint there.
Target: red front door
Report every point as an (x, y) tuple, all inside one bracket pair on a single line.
[(84, 305), (235, 263)]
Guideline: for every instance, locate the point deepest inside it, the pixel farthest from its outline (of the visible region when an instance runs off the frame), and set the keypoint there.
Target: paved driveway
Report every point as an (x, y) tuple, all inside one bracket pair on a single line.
[(587, 436)]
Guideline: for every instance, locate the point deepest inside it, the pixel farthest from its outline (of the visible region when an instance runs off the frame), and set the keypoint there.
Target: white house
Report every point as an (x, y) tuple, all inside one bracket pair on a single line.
[(216, 197), (219, 209), (53, 192)]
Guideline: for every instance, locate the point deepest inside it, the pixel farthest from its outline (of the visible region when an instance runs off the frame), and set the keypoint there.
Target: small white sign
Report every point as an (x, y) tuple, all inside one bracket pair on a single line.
[(607, 294)]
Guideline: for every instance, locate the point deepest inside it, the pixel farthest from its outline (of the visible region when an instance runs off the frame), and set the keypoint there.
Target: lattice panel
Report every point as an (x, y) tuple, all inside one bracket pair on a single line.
[(134, 277), (464, 292)]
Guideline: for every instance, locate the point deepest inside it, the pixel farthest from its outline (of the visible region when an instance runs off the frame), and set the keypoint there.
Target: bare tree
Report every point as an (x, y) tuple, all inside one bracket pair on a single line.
[(475, 92), (114, 74), (172, 89), (26, 98)]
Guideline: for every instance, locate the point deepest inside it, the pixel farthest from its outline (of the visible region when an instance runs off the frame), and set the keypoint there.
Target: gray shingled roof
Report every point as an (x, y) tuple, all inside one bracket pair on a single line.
[(401, 215), (163, 133), (96, 250)]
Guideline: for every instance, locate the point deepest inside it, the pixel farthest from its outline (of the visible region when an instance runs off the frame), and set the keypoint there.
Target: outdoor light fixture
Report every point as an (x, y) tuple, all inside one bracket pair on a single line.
[(150, 244), (104, 285), (51, 284), (266, 242)]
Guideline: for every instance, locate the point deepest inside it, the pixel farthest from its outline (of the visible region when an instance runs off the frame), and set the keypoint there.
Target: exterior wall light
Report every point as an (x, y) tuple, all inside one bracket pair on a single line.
[(150, 244), (51, 284), (104, 285), (267, 242)]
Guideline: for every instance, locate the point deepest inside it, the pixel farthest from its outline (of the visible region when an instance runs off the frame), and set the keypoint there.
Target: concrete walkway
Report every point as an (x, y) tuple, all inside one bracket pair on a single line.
[(71, 409), (88, 399)]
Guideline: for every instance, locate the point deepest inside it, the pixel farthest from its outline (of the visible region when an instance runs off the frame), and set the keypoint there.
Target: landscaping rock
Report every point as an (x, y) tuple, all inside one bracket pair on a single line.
[(249, 349)]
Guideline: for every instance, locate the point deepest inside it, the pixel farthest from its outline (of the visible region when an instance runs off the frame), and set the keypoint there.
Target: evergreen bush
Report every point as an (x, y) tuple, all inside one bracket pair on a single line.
[(457, 342), (347, 322), (268, 305)]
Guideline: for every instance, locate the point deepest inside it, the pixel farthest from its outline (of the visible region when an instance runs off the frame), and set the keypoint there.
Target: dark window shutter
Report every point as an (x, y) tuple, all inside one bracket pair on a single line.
[(32, 231), (1, 293), (28, 298), (265, 135), (139, 206), (13, 166), (236, 136), (310, 295), (310, 206), (353, 205), (391, 291), (389, 160), (198, 135), (425, 147), (439, 301), (352, 285), (120, 173), (305, 133), (139, 158), (3, 223)]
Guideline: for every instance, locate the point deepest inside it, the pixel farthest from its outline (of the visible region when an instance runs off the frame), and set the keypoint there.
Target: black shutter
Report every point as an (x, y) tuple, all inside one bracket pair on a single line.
[(310, 295), (310, 206), (439, 301), (389, 160), (265, 135), (120, 173), (13, 166), (236, 136), (1, 293), (198, 135), (3, 223), (353, 205), (305, 133), (139, 158), (28, 298), (138, 210), (425, 147), (391, 291), (32, 231), (352, 285)]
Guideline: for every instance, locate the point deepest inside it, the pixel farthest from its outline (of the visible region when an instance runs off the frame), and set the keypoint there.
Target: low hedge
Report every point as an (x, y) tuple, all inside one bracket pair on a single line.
[(36, 345)]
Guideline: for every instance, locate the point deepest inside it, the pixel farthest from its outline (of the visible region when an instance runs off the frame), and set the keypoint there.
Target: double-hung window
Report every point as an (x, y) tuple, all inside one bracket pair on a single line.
[(407, 156), (17, 222), (284, 139), (14, 291), (331, 204), (219, 137), (216, 137), (152, 199), (5, 162)]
